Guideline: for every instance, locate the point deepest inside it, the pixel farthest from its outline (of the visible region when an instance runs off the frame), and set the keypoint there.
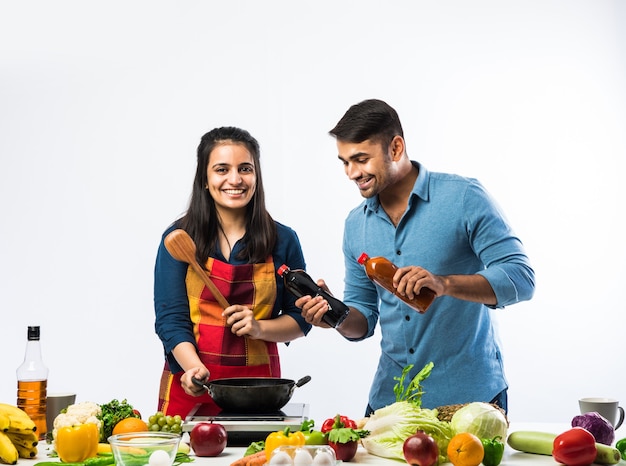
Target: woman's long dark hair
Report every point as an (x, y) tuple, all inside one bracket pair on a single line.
[(201, 220)]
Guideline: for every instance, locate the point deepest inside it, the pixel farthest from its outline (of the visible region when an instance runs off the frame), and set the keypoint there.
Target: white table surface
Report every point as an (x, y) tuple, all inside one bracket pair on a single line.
[(511, 457)]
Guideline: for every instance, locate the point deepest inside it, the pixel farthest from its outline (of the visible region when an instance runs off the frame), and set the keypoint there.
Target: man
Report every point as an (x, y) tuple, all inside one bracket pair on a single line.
[(445, 233)]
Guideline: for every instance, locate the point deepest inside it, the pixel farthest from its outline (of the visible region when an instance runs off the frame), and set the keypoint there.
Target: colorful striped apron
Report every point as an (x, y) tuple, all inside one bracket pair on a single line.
[(224, 353)]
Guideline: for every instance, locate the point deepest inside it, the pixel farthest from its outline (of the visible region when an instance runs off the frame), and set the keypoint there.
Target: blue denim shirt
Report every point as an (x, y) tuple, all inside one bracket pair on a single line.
[(451, 226)]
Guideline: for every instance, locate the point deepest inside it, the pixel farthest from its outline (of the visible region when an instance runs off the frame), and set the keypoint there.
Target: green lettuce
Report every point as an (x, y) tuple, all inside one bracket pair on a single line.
[(390, 426)]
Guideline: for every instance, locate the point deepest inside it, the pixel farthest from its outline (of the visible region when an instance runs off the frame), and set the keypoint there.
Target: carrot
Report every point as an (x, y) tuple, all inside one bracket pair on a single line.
[(255, 459)]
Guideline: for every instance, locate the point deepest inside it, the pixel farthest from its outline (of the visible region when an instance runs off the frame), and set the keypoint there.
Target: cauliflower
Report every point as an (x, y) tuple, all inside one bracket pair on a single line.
[(85, 412)]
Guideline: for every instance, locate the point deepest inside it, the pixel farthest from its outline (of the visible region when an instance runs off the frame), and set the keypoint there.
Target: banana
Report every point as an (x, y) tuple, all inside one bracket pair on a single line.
[(5, 421), (26, 440), (20, 422), (24, 452), (8, 451)]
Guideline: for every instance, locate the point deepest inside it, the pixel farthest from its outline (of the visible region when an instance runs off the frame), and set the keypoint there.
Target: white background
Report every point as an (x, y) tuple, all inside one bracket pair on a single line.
[(102, 105)]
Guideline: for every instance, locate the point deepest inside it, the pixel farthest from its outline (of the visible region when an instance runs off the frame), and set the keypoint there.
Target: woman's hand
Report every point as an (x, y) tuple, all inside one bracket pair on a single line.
[(241, 321), (199, 372)]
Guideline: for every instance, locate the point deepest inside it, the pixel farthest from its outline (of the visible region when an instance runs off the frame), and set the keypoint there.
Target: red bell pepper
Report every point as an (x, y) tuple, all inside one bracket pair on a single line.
[(338, 422), (575, 447)]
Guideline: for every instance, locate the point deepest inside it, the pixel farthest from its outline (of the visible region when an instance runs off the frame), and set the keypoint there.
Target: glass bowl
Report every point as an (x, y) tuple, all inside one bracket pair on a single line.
[(145, 448)]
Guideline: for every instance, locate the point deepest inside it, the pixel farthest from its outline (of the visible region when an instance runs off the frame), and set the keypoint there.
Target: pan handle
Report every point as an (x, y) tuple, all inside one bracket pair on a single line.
[(200, 383), (303, 380)]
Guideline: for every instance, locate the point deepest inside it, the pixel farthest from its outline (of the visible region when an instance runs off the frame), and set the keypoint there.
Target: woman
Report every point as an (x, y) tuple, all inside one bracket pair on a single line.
[(241, 248)]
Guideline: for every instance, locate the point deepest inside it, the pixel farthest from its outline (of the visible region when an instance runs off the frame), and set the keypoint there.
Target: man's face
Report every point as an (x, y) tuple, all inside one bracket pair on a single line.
[(367, 164)]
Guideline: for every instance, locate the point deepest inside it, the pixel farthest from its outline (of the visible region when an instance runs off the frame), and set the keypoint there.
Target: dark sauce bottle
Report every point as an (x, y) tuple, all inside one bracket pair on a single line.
[(299, 283)]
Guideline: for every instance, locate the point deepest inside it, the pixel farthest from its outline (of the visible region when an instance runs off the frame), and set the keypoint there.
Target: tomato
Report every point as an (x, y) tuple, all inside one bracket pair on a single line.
[(465, 449), (575, 447)]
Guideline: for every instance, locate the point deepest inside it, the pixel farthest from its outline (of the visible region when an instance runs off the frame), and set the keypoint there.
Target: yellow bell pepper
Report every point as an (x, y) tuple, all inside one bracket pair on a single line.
[(283, 437), (77, 443)]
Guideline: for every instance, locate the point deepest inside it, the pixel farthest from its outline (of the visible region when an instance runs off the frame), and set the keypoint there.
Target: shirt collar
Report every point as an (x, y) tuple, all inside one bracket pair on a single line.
[(420, 188)]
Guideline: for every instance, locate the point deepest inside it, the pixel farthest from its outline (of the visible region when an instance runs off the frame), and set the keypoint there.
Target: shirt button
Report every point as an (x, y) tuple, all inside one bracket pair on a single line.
[(411, 350), (407, 318), (398, 252)]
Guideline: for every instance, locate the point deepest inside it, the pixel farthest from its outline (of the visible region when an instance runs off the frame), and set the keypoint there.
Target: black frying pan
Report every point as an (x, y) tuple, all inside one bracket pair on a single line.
[(251, 394)]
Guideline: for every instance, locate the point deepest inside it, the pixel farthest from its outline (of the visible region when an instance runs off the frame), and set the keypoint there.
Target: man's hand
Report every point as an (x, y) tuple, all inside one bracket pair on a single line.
[(314, 308), (409, 280)]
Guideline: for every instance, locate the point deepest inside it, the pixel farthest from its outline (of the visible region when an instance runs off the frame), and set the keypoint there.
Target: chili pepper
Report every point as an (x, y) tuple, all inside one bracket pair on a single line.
[(282, 437), (575, 447), (621, 446), (77, 443), (338, 422), (494, 450)]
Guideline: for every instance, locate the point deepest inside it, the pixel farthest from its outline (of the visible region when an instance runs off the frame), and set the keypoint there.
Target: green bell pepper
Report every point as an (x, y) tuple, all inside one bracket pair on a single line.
[(621, 446), (494, 451)]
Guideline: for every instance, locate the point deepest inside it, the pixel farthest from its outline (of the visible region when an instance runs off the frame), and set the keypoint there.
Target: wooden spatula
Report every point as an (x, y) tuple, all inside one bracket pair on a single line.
[(182, 248)]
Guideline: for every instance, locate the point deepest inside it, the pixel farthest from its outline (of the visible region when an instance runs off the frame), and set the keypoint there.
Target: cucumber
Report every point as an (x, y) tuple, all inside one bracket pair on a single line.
[(541, 443)]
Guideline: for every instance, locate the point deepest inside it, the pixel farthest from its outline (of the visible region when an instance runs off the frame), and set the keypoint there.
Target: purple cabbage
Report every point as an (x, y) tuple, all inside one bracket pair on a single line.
[(597, 425)]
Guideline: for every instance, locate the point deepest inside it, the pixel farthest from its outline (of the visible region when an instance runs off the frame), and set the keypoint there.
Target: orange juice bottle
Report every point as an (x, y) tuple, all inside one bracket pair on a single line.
[(381, 271), (32, 381)]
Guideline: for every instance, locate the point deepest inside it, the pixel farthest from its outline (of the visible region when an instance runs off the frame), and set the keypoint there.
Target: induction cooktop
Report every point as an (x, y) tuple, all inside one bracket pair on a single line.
[(243, 429)]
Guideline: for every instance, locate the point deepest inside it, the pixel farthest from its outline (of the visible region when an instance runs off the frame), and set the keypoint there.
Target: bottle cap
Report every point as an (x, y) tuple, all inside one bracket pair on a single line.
[(282, 269), (362, 258), (33, 333)]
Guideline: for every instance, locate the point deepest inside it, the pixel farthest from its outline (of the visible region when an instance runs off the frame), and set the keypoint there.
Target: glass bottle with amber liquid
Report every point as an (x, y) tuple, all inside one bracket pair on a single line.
[(381, 271), (32, 381)]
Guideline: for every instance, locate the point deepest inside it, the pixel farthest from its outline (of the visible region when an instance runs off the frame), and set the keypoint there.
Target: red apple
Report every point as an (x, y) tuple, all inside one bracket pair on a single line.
[(420, 449), (208, 439)]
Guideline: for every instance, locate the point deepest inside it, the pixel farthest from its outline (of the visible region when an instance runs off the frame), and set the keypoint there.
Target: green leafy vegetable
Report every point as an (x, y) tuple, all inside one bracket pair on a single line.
[(255, 447), (413, 392), (390, 426), (346, 434), (112, 413), (100, 460), (182, 458)]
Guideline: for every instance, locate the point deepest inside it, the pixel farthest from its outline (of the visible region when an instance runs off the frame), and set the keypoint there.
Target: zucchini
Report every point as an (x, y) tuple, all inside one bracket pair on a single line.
[(528, 441), (541, 443)]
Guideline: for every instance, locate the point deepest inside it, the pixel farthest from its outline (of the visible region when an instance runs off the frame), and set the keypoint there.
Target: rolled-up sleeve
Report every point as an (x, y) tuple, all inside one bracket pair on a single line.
[(507, 267), (171, 305)]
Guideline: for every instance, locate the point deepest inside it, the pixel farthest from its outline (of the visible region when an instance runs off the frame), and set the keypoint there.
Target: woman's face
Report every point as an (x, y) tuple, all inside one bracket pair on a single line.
[(231, 176)]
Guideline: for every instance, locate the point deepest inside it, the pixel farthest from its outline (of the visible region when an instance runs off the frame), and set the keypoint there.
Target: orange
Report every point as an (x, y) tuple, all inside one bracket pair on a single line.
[(130, 424), (465, 449)]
